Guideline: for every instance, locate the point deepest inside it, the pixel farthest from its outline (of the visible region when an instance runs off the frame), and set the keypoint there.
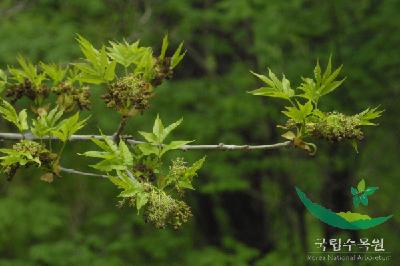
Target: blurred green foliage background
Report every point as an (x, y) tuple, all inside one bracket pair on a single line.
[(245, 209)]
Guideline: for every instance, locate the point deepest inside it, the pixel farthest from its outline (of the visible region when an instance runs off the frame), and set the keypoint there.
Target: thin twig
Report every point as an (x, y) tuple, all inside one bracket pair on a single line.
[(130, 140), (121, 127), (73, 171)]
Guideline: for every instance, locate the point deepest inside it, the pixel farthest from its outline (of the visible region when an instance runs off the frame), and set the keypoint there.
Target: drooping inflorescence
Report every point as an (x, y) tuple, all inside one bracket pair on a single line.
[(163, 210)]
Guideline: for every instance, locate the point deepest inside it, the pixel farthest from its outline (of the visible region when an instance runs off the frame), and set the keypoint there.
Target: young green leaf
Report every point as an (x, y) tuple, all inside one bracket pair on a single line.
[(169, 129), (160, 133), (322, 84), (98, 68), (54, 72), (46, 122), (125, 53), (68, 127), (9, 113), (23, 120), (149, 137), (329, 82), (145, 66), (186, 181), (173, 145), (157, 137), (141, 200), (164, 47), (27, 71), (3, 80), (369, 114), (148, 149), (87, 48), (310, 91), (158, 129), (181, 176), (17, 157), (299, 113), (177, 56), (73, 75), (113, 157), (275, 87), (131, 188)]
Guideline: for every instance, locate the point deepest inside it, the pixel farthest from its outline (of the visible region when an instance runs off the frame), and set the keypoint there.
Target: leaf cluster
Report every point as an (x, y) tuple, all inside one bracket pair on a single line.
[(143, 72), (304, 117), (141, 175), (129, 73), (155, 139), (27, 153), (108, 65), (46, 124), (113, 157), (10, 114)]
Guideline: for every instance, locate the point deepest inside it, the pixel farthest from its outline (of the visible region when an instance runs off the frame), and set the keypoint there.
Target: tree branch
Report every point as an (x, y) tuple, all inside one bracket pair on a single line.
[(73, 171), (129, 139)]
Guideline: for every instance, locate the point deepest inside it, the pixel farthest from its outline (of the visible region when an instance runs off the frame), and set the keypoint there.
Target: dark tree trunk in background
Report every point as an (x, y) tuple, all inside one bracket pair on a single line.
[(248, 217), (205, 219), (336, 189), (293, 211)]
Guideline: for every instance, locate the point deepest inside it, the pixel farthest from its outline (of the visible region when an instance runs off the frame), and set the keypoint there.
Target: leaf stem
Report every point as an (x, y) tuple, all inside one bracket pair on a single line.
[(61, 151)]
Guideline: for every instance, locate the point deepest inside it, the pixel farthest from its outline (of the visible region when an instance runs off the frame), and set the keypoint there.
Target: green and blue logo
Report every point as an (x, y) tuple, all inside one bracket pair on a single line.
[(346, 220)]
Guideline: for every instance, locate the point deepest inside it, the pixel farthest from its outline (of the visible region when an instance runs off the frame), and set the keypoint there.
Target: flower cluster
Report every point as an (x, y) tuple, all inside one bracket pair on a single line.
[(28, 89), (162, 71), (178, 168), (70, 97), (162, 210), (335, 126), (27, 153), (129, 93), (303, 109)]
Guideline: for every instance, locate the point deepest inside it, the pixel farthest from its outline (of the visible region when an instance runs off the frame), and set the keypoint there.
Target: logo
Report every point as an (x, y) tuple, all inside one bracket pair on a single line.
[(346, 220)]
